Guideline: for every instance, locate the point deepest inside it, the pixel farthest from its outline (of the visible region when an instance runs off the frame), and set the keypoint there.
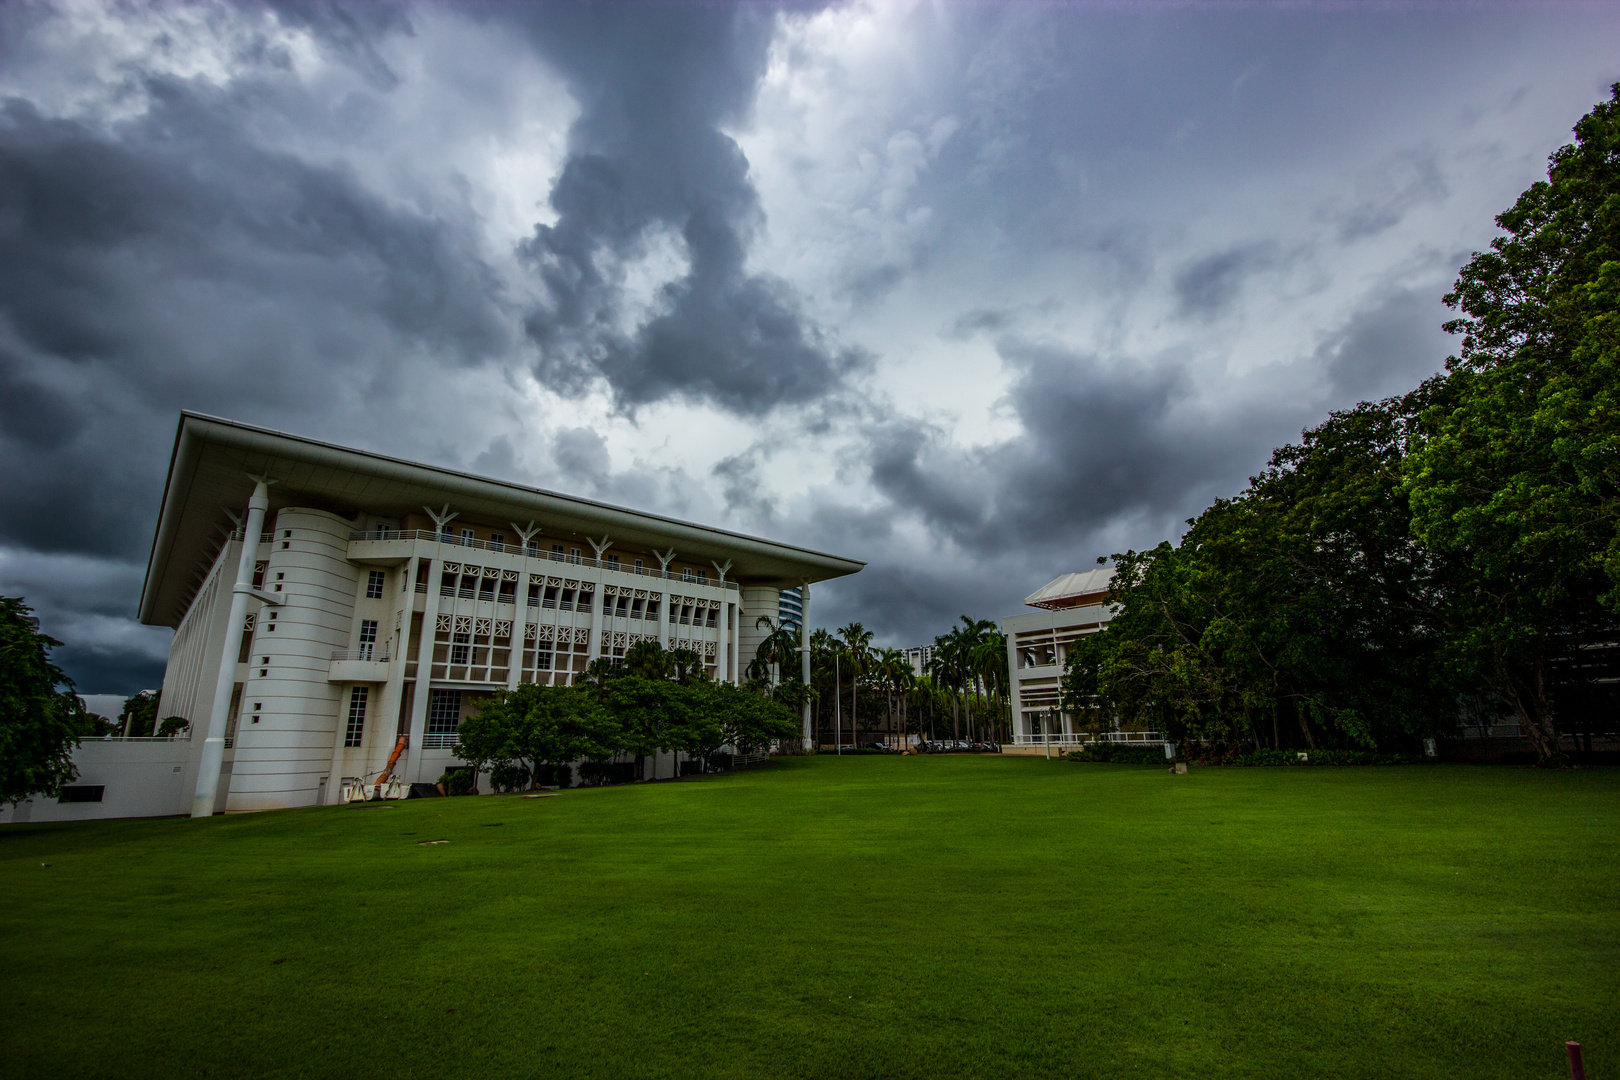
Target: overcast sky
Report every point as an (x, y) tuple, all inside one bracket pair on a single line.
[(973, 292)]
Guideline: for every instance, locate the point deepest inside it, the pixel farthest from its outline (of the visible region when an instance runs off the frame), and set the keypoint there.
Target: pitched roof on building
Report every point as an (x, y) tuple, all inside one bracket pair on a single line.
[(212, 458), (1073, 590)]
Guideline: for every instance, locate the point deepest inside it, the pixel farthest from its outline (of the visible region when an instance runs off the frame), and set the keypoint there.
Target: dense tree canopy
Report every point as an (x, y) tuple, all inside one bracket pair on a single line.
[(1416, 555), (650, 701)]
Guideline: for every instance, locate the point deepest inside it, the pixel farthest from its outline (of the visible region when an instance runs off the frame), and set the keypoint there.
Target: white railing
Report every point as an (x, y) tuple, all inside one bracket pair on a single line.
[(1128, 738), (438, 740), (184, 736), (532, 551), (373, 655)]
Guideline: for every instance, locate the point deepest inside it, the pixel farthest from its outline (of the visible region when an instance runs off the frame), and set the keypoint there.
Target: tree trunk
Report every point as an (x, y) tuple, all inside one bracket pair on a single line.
[(1528, 698)]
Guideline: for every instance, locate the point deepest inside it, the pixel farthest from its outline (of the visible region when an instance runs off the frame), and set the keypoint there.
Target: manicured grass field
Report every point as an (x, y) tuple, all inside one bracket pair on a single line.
[(865, 917)]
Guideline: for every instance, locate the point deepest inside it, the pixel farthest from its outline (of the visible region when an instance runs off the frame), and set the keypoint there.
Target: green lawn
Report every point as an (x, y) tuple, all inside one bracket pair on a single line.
[(863, 917)]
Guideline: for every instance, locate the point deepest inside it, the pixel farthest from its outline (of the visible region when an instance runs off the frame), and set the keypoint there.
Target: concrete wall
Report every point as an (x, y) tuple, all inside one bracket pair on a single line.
[(141, 777)]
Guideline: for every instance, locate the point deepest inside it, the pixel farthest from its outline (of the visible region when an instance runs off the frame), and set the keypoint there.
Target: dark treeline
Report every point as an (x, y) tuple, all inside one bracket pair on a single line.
[(860, 695), (1446, 557)]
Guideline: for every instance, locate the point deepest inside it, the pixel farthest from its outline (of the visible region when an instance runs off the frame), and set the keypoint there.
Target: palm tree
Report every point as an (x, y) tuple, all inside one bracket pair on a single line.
[(857, 642)]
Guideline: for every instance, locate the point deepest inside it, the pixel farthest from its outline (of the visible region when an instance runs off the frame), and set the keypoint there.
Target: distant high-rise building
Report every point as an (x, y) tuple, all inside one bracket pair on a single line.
[(920, 657), (790, 609)]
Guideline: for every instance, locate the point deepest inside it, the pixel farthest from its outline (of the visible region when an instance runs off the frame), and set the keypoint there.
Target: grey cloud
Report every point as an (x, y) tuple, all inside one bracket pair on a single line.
[(1210, 285), (1389, 193), (647, 157), (1387, 347), (1099, 444)]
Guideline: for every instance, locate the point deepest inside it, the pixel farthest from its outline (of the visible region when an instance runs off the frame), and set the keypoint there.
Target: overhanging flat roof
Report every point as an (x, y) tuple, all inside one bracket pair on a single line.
[(212, 458)]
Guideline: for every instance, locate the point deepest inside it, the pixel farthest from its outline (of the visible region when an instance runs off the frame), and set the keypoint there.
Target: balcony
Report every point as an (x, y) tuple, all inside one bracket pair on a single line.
[(358, 665)]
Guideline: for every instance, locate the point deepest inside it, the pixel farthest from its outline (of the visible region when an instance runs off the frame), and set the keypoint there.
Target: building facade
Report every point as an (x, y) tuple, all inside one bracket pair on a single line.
[(790, 609), (380, 598), (1072, 606)]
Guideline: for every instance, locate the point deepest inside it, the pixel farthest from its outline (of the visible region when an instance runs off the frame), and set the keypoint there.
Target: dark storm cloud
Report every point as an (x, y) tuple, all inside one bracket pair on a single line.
[(647, 160), (168, 263)]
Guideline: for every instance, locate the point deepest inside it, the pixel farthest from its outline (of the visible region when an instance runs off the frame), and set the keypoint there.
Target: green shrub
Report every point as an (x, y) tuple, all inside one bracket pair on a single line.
[(508, 777), (457, 781)]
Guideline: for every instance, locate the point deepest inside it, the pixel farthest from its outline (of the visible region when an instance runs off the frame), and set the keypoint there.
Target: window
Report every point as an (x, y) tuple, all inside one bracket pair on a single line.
[(542, 659), (508, 592), (567, 601), (624, 607), (686, 574), (584, 602), (460, 648), (534, 546), (639, 567), (468, 537), (652, 609), (556, 553), (81, 793), (703, 577), (573, 556), (374, 585), (357, 715), (447, 585), (534, 596), (497, 541), (486, 589), (714, 617), (613, 562), (469, 585), (368, 639), (444, 712), (635, 608)]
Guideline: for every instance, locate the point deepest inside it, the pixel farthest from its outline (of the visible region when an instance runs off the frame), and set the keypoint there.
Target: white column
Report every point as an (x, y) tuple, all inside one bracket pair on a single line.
[(736, 632), (663, 617), (213, 755), (387, 721), (804, 657), (721, 645), (424, 661), (596, 619), (520, 625)]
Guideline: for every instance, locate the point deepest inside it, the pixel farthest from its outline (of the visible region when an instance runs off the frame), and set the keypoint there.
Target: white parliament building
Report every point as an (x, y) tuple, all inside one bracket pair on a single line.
[(1072, 606), (326, 601)]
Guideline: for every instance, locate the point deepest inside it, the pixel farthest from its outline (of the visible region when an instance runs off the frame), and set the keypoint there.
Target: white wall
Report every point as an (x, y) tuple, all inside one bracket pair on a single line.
[(142, 778), (280, 760)]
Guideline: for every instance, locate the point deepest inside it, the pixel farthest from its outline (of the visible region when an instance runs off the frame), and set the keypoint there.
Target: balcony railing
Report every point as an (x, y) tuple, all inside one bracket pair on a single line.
[(438, 740), (376, 656), (533, 551)]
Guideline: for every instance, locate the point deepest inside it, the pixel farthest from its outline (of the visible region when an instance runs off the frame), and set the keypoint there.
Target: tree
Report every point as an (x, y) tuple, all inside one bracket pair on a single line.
[(536, 726), (140, 714), (40, 716), (857, 644), (1515, 469), (1304, 603)]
